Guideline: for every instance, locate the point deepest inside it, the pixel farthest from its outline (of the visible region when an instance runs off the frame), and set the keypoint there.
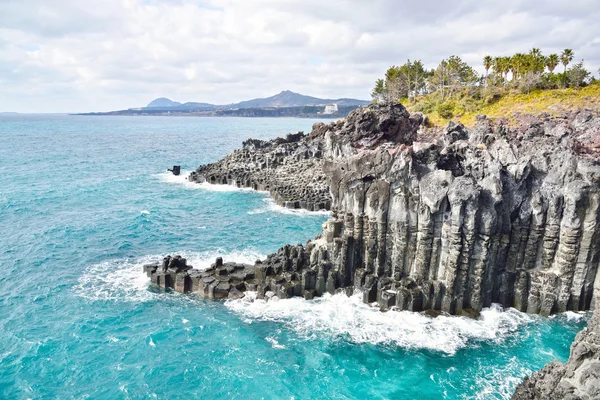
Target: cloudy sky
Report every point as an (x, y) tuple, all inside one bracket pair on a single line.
[(100, 55)]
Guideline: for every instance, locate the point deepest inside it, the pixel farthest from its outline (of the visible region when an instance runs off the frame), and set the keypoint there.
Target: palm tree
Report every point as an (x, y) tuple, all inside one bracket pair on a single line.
[(551, 62), (501, 66), (506, 66), (513, 67), (538, 61), (487, 64), (566, 57), (518, 63), (535, 53)]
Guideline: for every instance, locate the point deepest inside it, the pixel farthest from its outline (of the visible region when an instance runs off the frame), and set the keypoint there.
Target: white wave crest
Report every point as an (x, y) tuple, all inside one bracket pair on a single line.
[(124, 280), (348, 318), (274, 343), (224, 188), (182, 180), (270, 206), (572, 316)]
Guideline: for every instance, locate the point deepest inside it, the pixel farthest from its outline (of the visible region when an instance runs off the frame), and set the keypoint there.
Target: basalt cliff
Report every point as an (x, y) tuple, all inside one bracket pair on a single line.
[(421, 219)]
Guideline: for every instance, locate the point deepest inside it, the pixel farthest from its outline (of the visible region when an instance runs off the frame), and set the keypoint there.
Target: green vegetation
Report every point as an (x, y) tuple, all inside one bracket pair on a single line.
[(519, 83)]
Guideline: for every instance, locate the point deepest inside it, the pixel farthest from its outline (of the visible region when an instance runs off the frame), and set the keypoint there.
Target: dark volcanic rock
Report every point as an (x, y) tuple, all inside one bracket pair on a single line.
[(291, 168), (474, 216)]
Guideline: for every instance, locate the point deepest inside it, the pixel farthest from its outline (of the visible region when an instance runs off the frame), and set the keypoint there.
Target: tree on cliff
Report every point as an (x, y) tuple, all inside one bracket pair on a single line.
[(566, 57), (405, 81), (577, 75), (451, 74), (488, 61), (537, 61), (379, 93), (502, 67), (551, 62)]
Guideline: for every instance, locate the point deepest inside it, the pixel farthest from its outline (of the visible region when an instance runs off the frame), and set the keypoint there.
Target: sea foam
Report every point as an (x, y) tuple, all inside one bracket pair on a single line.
[(270, 206), (349, 319), (182, 180)]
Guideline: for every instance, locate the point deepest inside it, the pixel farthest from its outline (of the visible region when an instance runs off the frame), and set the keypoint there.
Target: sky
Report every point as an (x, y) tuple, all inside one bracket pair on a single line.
[(102, 55)]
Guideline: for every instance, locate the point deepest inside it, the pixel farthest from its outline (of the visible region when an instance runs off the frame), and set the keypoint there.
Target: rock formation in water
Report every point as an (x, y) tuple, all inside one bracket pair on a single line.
[(289, 169), (424, 220), (577, 379), (176, 170)]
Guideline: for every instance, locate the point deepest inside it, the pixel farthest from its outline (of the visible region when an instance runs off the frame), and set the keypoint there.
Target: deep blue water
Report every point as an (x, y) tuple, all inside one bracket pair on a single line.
[(84, 202)]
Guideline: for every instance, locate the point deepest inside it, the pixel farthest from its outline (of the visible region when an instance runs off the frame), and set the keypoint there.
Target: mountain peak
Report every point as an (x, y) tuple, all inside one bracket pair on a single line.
[(162, 102)]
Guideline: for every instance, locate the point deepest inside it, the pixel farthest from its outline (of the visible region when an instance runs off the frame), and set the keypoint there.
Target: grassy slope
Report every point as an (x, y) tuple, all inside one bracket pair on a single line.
[(550, 101)]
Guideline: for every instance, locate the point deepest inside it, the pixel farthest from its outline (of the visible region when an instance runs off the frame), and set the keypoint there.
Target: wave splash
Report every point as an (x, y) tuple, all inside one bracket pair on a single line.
[(341, 317), (123, 279), (270, 207), (182, 180)]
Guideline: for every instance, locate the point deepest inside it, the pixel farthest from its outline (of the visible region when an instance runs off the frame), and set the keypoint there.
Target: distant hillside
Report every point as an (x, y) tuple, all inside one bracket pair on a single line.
[(296, 112), (291, 99), (283, 99), (286, 103), (164, 103)]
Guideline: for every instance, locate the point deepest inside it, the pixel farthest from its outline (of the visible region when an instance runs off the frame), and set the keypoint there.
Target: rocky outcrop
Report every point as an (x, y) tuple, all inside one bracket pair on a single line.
[(289, 169), (577, 379), (220, 281), (453, 223)]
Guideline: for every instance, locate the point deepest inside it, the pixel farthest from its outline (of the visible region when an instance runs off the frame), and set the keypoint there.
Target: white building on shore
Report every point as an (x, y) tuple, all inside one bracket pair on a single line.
[(332, 109)]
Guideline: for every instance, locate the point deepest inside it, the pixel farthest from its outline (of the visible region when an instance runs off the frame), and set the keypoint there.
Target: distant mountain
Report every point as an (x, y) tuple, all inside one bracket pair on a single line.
[(291, 99), (283, 99), (163, 102)]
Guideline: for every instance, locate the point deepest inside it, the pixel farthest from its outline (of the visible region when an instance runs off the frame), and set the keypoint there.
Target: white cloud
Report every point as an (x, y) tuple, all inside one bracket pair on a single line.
[(61, 55)]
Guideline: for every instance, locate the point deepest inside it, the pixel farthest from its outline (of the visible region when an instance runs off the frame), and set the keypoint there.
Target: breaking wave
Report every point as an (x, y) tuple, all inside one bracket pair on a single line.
[(270, 206), (182, 180), (346, 318)]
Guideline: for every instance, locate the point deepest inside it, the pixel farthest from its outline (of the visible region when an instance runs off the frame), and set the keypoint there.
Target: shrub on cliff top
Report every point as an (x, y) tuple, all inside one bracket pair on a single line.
[(445, 110)]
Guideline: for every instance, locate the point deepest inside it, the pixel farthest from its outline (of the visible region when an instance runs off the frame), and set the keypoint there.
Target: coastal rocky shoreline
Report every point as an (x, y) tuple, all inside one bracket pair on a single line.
[(450, 221), (424, 219)]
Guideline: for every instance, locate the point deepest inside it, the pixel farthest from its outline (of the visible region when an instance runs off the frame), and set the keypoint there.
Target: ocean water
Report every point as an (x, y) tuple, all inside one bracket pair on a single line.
[(85, 201)]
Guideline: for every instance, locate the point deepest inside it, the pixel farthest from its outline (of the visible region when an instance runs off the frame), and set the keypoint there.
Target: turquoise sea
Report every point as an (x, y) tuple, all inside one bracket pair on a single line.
[(85, 201)]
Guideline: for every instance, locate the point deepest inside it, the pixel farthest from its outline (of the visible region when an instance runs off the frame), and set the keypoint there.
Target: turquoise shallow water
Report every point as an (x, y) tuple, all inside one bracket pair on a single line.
[(84, 202)]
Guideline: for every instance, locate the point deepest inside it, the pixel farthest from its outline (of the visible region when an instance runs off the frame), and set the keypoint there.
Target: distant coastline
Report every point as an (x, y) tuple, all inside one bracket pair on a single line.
[(265, 112), (284, 104)]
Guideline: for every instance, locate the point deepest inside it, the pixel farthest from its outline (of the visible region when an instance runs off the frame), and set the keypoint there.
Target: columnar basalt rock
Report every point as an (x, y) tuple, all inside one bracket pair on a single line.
[(289, 169), (468, 218)]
